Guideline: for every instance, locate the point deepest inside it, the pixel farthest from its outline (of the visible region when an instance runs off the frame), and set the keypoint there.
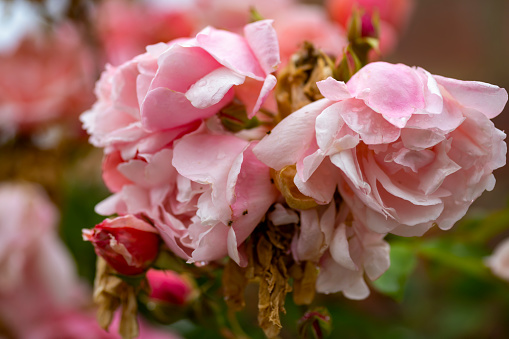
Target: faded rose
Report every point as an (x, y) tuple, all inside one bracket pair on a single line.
[(343, 248), (48, 78), (406, 149), (127, 243), (146, 103), (205, 196)]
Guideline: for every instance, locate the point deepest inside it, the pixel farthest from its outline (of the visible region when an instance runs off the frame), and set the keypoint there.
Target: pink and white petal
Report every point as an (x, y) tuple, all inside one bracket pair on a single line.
[(230, 50), (310, 240), (166, 109), (419, 139), (268, 85), (206, 158), (283, 216), (392, 90), (432, 95), (262, 38), (289, 140), (340, 250), (333, 89), (348, 163), (211, 89), (373, 128), (211, 244), (254, 194), (376, 260), (180, 67), (486, 98), (321, 185)]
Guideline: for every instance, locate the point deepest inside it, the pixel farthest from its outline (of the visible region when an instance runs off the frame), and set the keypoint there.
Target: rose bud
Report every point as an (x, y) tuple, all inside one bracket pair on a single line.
[(128, 244), (169, 287)]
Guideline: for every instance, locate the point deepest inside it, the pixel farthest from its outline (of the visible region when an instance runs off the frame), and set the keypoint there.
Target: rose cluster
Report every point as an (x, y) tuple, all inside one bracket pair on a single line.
[(394, 149)]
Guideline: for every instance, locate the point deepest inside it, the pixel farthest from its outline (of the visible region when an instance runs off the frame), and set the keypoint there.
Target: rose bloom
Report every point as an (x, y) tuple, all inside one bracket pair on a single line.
[(123, 30), (149, 101), (41, 296), (406, 149), (49, 77), (205, 195), (341, 247)]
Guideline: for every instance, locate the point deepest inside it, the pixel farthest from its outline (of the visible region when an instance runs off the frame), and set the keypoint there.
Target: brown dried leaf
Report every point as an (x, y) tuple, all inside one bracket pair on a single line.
[(304, 281), (234, 283), (111, 292)]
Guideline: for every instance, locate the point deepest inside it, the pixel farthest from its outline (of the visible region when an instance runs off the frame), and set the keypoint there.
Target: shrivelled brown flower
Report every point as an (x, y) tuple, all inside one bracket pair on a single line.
[(296, 86), (110, 293)]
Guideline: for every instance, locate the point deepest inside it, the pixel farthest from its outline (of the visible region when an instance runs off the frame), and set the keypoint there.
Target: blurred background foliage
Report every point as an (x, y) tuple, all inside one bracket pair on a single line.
[(437, 285)]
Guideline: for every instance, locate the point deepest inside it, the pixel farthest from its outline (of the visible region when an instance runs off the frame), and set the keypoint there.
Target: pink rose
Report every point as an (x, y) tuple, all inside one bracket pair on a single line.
[(343, 248), (146, 103), (406, 149), (205, 196), (128, 244), (124, 33), (48, 78), (498, 262)]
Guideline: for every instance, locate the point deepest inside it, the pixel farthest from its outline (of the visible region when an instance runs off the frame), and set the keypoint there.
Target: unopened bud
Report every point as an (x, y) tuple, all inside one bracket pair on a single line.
[(170, 287), (127, 244)]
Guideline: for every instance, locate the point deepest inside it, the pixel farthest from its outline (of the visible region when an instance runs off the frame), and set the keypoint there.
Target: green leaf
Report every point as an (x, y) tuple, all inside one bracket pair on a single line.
[(403, 262)]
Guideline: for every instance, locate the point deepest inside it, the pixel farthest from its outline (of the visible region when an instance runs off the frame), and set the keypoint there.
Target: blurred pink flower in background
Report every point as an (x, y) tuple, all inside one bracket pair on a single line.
[(394, 16), (498, 262), (41, 296), (234, 15), (299, 23), (48, 77), (405, 156), (125, 28)]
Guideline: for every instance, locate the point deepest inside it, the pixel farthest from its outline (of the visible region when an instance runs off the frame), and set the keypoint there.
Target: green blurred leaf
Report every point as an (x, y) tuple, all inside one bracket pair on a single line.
[(459, 256), (403, 262)]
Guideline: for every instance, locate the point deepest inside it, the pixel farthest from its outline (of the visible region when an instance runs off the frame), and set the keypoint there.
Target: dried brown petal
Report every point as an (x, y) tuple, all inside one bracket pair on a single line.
[(111, 292), (304, 281), (234, 284), (285, 184)]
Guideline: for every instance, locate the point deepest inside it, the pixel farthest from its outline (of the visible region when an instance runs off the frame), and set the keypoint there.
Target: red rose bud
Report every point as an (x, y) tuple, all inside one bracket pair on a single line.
[(170, 287), (128, 244)]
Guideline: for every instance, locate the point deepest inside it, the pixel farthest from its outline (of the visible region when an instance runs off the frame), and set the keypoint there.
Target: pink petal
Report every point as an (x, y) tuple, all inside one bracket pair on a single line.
[(262, 39), (486, 98), (392, 90), (211, 89), (334, 90), (230, 50), (289, 140), (165, 109)]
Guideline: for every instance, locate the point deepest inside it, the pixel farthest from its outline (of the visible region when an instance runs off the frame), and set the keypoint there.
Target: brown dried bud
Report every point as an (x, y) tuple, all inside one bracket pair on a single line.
[(296, 86), (285, 184), (111, 292), (304, 280)]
